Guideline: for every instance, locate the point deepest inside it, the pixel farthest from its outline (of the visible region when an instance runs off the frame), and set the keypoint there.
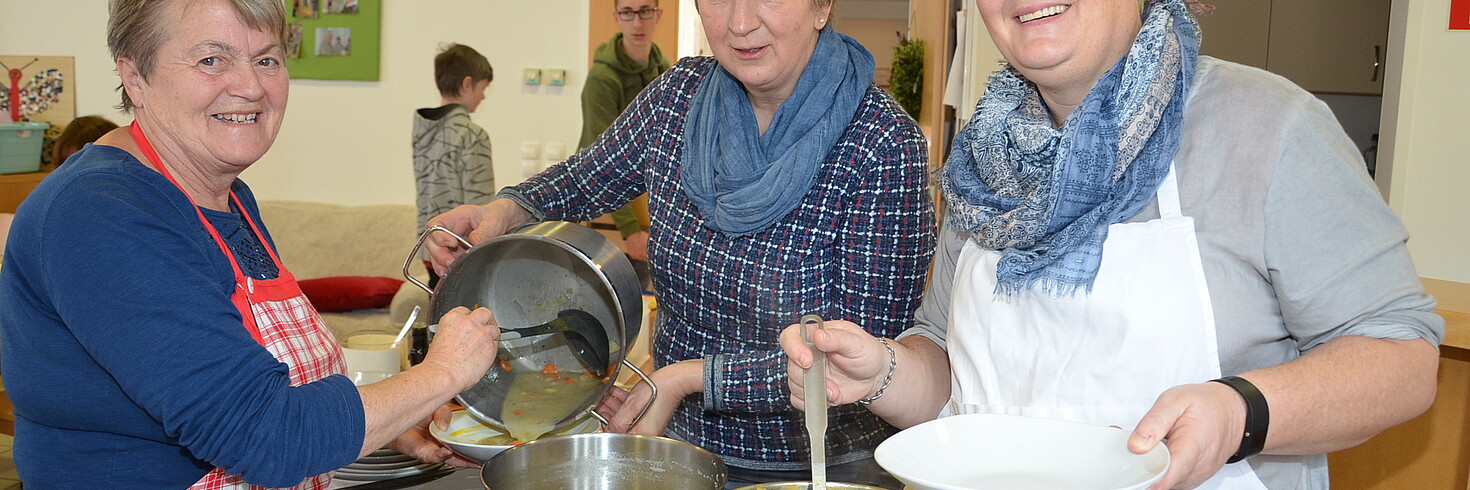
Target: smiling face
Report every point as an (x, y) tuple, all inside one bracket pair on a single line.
[(764, 43), (216, 94), (1063, 46)]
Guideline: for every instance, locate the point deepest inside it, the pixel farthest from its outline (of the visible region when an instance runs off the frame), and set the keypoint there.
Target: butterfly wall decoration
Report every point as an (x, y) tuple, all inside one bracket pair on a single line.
[(43, 90)]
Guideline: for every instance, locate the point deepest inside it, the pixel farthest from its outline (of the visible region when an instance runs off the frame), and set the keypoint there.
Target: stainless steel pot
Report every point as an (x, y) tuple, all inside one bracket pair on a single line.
[(604, 461), (526, 277)]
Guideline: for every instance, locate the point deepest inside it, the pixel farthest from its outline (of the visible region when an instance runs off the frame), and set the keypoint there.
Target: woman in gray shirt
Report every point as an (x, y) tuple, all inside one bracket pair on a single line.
[(1128, 222)]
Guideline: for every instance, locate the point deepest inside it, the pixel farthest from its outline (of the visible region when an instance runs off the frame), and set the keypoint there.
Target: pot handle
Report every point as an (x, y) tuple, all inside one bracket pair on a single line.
[(415, 252), (651, 398)]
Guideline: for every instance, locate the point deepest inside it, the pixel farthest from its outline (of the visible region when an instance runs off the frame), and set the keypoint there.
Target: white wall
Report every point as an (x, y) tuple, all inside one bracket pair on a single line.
[(1426, 120), (348, 142)]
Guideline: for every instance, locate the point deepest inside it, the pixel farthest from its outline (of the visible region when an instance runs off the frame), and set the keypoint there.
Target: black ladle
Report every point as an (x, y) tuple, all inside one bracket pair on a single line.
[(584, 334)]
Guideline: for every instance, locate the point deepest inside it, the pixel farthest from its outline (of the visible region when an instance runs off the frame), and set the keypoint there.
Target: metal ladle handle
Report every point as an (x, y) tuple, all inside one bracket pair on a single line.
[(419, 244)]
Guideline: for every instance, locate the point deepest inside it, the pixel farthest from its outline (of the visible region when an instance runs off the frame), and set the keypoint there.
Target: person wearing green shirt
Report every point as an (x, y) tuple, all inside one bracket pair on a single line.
[(620, 69)]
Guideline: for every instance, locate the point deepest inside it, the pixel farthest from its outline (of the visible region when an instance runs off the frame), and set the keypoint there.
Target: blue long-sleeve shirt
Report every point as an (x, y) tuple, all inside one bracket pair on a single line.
[(856, 248), (127, 363)]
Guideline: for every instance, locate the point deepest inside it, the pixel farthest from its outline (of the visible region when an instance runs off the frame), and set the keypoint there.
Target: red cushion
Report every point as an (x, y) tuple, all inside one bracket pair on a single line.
[(343, 293)]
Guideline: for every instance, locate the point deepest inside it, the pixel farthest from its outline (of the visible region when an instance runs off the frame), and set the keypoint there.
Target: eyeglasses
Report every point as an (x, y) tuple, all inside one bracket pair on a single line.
[(645, 14)]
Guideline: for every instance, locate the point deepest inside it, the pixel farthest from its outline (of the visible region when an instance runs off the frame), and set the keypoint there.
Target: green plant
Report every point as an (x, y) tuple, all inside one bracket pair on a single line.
[(907, 85)]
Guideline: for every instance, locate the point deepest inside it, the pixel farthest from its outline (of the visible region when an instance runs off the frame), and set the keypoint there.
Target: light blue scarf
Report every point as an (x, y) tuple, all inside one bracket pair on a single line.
[(743, 181), (1043, 196)]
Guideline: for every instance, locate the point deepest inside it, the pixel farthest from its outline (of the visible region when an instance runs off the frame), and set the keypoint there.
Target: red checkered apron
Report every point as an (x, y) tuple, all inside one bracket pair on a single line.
[(278, 317)]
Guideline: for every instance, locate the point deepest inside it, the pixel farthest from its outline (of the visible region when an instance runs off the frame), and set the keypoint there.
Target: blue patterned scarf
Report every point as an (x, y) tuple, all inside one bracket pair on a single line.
[(742, 180), (1045, 196)]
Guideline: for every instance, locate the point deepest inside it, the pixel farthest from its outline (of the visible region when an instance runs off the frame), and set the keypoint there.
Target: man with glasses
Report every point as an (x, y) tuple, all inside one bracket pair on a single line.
[(620, 69)]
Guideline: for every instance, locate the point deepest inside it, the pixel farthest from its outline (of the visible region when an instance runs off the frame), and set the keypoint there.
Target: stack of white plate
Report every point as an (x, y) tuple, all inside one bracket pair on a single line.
[(382, 465)]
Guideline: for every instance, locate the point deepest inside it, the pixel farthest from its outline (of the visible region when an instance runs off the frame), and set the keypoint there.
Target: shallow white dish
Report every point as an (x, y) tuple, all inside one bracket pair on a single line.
[(990, 451), (375, 458), (361, 466), (464, 430), (375, 475)]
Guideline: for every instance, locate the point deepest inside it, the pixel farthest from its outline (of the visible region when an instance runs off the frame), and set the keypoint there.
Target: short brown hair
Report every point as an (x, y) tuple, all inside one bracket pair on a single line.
[(136, 28), (79, 132), (616, 2), (457, 61)]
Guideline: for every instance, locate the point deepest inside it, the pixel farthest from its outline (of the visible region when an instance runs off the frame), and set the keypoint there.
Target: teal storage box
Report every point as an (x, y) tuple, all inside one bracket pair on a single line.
[(20, 147)]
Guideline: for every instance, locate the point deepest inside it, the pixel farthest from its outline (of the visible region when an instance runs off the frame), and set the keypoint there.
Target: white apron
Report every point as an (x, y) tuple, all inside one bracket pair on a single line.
[(1103, 357)]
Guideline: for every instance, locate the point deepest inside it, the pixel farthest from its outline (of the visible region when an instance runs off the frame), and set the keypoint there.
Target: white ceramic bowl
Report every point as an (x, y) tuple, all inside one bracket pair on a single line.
[(988, 451), (464, 432)]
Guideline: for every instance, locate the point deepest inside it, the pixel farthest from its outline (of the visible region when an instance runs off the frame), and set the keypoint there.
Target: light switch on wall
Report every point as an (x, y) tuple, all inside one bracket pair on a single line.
[(530, 150), (531, 76), (556, 77), (529, 168), (556, 152)]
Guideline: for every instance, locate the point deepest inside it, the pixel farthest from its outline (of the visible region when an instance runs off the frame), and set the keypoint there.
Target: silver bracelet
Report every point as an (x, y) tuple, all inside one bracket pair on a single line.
[(892, 366)]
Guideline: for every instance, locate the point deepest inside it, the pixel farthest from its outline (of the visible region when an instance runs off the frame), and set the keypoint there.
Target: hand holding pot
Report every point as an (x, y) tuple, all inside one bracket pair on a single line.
[(476, 224), (674, 382), (464, 345)]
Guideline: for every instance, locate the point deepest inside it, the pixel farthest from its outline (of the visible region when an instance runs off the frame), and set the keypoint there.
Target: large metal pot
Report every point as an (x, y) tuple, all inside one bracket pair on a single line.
[(604, 461), (525, 277)]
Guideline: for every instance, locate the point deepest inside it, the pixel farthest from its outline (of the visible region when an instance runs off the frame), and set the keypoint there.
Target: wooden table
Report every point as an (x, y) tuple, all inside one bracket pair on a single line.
[(15, 187), (1431, 451)]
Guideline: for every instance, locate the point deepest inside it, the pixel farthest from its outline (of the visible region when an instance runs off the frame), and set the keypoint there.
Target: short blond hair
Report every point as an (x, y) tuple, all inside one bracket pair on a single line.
[(136, 28)]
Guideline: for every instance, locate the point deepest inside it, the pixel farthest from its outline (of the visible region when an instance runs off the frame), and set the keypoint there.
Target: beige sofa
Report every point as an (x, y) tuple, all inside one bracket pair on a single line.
[(324, 240)]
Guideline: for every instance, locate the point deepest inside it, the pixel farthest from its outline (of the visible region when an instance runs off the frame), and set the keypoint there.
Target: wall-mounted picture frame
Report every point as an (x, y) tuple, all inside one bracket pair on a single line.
[(293, 40), (341, 6), (333, 41), (305, 9), (353, 51)]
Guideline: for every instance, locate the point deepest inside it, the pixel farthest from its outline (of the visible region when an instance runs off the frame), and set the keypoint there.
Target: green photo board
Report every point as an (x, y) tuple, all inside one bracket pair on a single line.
[(331, 45)]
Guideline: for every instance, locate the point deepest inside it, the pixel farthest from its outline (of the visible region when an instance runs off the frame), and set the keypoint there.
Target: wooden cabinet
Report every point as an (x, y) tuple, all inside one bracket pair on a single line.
[(1237, 31), (1326, 46), (1431, 451), (15, 187)]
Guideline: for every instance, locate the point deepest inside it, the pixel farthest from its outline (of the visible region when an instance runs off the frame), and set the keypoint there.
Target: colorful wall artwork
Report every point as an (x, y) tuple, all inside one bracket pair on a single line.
[(37, 89), (1460, 15), (333, 39)]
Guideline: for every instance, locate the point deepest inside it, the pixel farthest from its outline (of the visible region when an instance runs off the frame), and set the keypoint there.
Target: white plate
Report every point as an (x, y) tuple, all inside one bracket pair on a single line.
[(381, 466), (989, 451), (375, 475), (465, 428), (373, 460)]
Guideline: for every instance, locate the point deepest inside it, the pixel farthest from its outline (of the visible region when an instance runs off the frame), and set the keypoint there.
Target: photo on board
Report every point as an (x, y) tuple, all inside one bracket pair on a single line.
[(333, 41), (306, 9)]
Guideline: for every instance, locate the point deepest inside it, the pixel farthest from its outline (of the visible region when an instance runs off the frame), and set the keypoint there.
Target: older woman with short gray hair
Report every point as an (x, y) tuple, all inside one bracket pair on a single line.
[(151, 336)]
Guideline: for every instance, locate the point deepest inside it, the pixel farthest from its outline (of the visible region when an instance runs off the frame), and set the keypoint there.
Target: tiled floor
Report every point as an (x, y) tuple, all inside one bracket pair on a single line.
[(8, 478)]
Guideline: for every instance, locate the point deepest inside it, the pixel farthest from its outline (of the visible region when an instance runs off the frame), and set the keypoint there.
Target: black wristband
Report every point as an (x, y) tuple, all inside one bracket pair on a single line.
[(1257, 417)]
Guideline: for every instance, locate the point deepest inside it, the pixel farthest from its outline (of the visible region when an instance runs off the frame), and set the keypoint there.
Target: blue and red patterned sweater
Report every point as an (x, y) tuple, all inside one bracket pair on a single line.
[(857, 248)]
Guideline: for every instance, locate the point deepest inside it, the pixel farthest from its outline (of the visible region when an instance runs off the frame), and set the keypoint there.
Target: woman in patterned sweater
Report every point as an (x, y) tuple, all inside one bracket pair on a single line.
[(781, 182)]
